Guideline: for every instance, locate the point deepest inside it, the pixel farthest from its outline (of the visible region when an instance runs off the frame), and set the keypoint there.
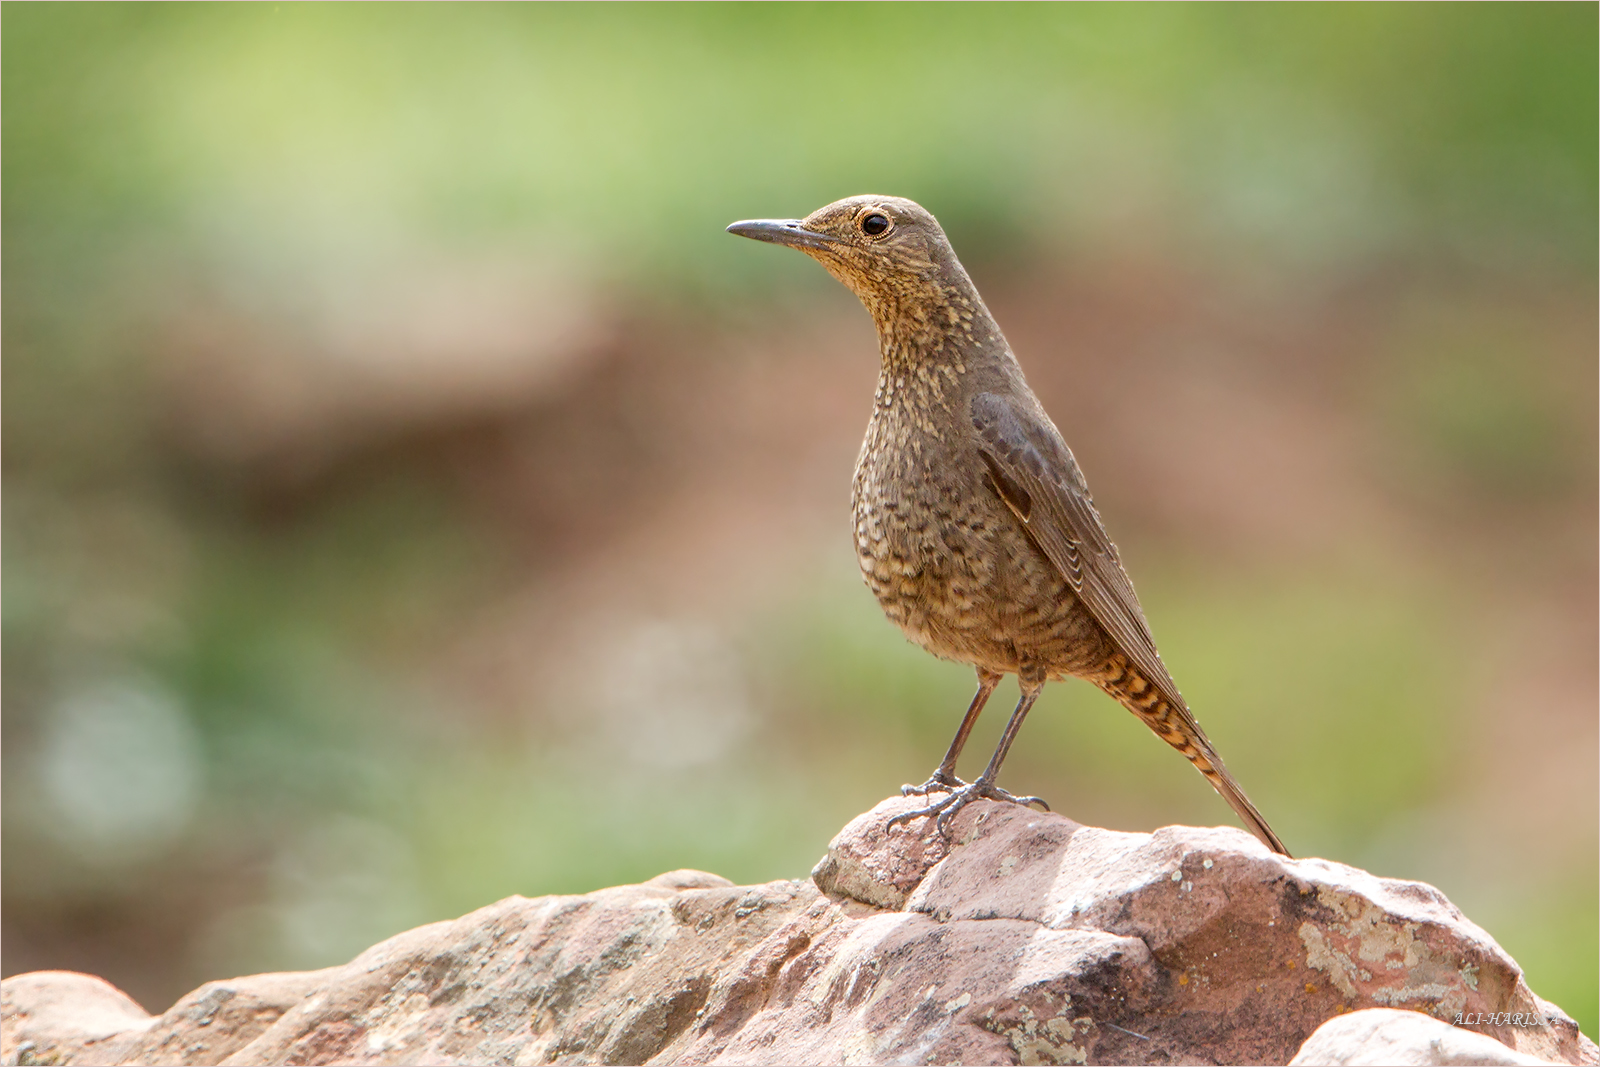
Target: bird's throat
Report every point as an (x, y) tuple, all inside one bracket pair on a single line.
[(931, 329)]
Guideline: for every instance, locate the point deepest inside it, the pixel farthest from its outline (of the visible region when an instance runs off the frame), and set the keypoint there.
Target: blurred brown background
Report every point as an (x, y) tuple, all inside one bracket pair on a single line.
[(413, 497)]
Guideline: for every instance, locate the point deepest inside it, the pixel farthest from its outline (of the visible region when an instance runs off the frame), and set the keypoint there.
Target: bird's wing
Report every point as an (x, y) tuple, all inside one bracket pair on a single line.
[(1036, 476)]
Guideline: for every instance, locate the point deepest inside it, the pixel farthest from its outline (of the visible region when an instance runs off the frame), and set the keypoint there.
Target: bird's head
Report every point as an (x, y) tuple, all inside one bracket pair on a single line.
[(889, 251)]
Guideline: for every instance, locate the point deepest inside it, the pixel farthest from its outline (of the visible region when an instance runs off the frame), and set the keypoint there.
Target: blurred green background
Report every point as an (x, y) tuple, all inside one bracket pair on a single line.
[(413, 497)]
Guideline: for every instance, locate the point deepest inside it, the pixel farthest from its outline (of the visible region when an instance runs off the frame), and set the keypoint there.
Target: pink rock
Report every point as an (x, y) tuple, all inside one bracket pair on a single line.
[(1026, 938), (46, 1011), (1384, 1037), (859, 866)]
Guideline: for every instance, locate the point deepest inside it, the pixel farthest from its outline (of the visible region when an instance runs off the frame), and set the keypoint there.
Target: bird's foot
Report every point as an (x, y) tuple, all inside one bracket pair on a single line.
[(945, 809), (940, 782), (997, 793)]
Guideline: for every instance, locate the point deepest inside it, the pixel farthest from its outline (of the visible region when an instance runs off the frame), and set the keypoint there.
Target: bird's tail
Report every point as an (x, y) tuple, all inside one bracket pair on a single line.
[(1173, 723)]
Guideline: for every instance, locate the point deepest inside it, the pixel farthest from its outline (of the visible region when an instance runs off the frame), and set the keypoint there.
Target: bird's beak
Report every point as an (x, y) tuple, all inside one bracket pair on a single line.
[(789, 232)]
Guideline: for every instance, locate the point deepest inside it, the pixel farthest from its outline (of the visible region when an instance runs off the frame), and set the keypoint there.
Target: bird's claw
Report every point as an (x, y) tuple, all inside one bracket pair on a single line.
[(946, 808), (1001, 794)]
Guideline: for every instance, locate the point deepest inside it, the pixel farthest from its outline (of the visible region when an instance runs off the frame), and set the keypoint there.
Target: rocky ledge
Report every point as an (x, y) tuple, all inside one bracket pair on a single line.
[(1026, 938)]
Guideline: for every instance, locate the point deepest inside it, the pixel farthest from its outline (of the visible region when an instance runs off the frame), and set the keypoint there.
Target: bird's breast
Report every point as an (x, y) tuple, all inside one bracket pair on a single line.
[(946, 559), (929, 537)]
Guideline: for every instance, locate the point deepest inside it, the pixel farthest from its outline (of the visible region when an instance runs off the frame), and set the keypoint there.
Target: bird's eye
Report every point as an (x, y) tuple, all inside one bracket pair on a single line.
[(874, 224)]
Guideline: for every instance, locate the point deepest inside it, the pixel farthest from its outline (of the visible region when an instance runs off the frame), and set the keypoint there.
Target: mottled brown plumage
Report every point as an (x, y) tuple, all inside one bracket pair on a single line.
[(974, 526)]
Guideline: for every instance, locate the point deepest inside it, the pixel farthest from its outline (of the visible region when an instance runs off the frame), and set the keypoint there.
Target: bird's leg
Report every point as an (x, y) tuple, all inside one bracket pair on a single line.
[(1031, 687), (984, 788), (944, 778)]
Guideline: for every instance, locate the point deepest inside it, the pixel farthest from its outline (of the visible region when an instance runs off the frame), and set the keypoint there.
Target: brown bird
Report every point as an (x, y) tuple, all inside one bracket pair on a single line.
[(974, 526)]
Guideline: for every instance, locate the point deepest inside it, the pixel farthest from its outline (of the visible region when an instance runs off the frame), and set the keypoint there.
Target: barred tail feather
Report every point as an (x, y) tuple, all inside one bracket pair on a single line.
[(1171, 721)]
